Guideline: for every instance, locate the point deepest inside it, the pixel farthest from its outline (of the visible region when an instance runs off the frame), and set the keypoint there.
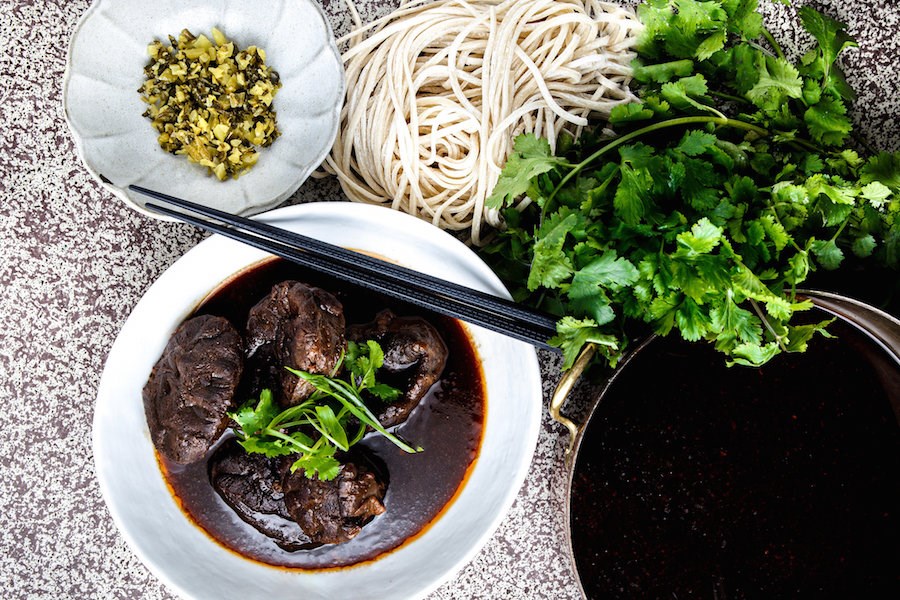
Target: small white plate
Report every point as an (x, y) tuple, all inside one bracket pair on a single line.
[(107, 56), (183, 556)]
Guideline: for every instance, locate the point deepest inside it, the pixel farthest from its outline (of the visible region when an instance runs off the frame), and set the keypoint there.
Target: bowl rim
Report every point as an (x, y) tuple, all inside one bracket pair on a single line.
[(122, 194), (402, 222)]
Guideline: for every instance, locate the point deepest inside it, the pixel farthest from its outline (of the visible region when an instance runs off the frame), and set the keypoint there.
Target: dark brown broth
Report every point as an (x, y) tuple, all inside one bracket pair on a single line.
[(448, 424), (699, 481)]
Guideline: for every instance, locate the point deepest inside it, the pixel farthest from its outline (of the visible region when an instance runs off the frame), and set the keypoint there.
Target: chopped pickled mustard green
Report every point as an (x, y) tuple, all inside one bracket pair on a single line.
[(211, 101)]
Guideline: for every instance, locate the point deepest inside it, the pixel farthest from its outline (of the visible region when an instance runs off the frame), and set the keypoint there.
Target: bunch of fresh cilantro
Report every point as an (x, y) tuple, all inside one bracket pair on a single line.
[(729, 182), (316, 429)]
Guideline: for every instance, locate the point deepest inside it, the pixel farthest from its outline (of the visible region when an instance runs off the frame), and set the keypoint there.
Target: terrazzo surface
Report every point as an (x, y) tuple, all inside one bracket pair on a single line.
[(74, 261)]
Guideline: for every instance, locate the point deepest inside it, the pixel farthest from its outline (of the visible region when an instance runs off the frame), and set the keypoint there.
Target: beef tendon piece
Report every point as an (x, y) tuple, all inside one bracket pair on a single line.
[(333, 512), (413, 350), (192, 387), (251, 485), (297, 326)]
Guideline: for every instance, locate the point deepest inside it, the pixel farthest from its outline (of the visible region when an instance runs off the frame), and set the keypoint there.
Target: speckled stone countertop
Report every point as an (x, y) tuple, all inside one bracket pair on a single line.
[(74, 261)]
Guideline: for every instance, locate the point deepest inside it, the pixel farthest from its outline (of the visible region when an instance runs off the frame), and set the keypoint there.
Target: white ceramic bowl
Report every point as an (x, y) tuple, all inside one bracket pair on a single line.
[(182, 555), (107, 56)]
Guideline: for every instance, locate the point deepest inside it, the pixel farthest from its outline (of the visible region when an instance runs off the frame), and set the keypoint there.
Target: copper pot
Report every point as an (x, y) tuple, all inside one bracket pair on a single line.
[(880, 335)]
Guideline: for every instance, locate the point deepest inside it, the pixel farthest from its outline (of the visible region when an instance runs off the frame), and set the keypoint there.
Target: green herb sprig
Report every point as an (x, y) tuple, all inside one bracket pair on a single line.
[(317, 428), (727, 184)]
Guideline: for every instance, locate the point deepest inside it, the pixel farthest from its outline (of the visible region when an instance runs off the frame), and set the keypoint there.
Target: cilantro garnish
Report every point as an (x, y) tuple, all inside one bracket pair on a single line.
[(317, 428), (727, 184)]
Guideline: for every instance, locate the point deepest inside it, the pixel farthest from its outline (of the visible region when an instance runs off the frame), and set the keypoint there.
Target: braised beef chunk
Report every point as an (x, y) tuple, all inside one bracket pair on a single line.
[(297, 326), (332, 512), (192, 387), (413, 349), (251, 485)]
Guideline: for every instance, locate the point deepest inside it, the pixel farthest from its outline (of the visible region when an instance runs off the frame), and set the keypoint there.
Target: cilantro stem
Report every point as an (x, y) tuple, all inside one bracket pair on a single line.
[(840, 229), (761, 48), (288, 414), (287, 438), (359, 434), (349, 398), (771, 39), (765, 320), (330, 438), (806, 144), (723, 122)]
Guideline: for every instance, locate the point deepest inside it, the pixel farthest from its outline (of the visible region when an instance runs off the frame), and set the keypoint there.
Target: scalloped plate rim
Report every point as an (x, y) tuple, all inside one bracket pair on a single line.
[(252, 208)]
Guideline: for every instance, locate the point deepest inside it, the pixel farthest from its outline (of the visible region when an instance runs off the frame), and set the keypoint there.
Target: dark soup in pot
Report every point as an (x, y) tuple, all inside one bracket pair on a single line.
[(361, 502), (695, 480)]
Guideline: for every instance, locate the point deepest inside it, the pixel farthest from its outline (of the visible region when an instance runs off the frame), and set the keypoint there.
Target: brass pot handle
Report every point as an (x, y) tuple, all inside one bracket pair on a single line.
[(561, 393)]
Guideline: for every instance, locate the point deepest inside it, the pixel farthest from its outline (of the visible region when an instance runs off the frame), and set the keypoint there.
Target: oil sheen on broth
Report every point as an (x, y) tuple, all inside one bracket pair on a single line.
[(447, 424)]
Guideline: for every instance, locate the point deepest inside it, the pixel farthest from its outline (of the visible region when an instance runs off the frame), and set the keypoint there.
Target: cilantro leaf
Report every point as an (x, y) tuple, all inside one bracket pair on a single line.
[(253, 418), (690, 25), (799, 335), (686, 93), (864, 245), (321, 464), (572, 335), (384, 392), (607, 272), (696, 142), (754, 355), (631, 200), (627, 113), (728, 318), (655, 18), (798, 268), (828, 254), (267, 447), (743, 19), (692, 321), (376, 355), (778, 81), (831, 35), (775, 231), (884, 168), (661, 312), (531, 146), (530, 158), (828, 122), (711, 45), (876, 193), (702, 238), (744, 61), (550, 266), (678, 27), (364, 360)]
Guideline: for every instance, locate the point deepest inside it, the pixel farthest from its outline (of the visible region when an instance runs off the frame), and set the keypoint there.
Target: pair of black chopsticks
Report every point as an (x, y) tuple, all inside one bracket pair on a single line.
[(419, 289)]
